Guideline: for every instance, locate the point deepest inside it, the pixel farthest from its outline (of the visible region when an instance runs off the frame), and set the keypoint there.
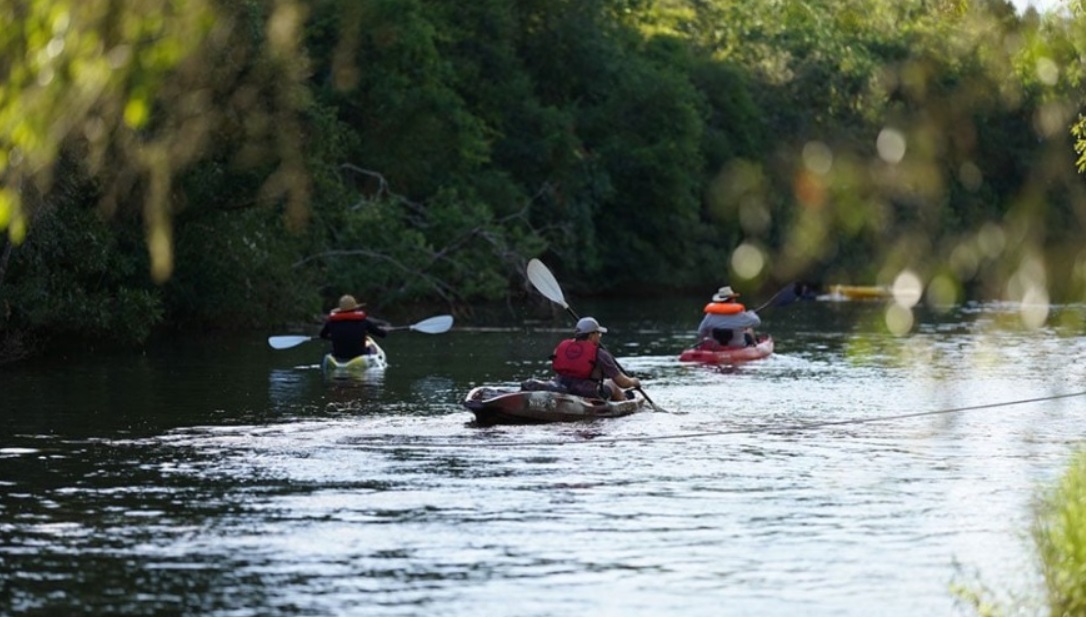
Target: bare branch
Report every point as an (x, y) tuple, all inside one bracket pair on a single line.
[(383, 191), (440, 287)]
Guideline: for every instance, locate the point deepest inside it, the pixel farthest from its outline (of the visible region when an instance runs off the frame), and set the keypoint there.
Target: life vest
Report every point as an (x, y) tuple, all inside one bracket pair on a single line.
[(724, 308), (347, 316), (576, 359)]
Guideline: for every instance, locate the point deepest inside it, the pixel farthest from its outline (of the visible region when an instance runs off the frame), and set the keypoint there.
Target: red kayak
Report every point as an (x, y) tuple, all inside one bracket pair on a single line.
[(711, 352)]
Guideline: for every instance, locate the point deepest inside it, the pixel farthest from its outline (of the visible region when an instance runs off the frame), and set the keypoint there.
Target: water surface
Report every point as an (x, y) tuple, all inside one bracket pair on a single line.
[(851, 473)]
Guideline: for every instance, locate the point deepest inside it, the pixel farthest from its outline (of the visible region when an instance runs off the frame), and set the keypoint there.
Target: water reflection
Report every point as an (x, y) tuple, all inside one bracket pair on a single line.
[(287, 388), (433, 389)]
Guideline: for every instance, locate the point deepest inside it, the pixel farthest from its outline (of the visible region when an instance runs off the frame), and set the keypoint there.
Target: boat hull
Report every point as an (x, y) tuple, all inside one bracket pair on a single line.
[(493, 406), (355, 367), (715, 354)]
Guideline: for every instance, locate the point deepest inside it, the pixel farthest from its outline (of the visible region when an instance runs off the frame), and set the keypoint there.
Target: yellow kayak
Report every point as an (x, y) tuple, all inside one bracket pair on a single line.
[(359, 365), (858, 292)]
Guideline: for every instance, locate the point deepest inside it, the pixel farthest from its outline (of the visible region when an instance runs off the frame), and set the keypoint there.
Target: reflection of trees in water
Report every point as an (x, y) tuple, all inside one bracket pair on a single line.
[(354, 394), (288, 388), (305, 390), (431, 389)]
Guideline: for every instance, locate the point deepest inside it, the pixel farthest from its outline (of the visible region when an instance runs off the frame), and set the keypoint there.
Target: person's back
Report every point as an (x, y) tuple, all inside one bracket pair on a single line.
[(348, 338), (348, 327)]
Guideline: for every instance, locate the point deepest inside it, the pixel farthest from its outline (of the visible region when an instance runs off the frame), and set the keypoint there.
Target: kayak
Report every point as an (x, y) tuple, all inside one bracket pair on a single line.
[(858, 292), (711, 352), (359, 365), (493, 406)]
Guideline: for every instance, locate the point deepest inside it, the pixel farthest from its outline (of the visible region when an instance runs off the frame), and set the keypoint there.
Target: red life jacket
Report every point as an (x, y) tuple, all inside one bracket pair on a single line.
[(347, 316), (576, 359)]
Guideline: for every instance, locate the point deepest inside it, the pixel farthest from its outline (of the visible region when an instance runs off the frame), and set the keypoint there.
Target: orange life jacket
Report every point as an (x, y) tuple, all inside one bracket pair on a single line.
[(347, 316), (724, 308), (576, 359)]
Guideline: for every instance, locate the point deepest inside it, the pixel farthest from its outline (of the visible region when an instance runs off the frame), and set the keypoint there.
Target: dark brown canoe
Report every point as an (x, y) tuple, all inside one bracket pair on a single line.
[(507, 406)]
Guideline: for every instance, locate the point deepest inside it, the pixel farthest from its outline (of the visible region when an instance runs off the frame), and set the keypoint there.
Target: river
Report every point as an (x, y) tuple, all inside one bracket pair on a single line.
[(852, 473)]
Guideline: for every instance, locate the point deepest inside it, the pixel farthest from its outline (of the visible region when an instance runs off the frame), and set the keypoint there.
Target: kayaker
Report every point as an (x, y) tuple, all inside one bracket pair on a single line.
[(586, 369), (727, 322), (348, 327)]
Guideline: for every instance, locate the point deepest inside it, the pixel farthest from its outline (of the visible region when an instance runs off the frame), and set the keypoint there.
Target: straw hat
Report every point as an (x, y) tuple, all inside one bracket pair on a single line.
[(348, 303)]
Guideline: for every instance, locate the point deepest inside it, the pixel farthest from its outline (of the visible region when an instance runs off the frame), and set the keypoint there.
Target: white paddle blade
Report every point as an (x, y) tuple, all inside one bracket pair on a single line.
[(434, 325), (545, 282), (286, 342)]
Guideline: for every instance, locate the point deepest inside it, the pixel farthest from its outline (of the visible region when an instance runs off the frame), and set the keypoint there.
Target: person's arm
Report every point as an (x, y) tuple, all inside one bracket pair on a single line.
[(611, 370), (705, 328), (373, 328), (326, 332), (626, 382), (754, 319)]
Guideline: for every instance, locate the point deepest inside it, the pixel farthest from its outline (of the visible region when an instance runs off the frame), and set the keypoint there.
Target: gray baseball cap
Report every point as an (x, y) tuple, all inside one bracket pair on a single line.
[(586, 325)]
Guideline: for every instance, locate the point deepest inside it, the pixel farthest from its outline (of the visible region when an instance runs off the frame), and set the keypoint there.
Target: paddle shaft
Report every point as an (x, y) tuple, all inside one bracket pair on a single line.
[(433, 325), (774, 298), (796, 290)]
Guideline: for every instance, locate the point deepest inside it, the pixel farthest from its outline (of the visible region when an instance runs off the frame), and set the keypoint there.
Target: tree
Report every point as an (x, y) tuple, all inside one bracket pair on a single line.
[(136, 90)]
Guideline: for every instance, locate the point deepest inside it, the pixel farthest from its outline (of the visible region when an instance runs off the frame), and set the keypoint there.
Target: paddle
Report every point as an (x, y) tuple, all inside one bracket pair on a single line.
[(789, 294), (544, 281), (432, 325), (288, 341)]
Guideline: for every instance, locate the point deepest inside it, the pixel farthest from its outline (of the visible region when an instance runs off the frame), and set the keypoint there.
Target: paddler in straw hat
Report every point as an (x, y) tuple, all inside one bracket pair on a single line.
[(727, 322), (348, 327)]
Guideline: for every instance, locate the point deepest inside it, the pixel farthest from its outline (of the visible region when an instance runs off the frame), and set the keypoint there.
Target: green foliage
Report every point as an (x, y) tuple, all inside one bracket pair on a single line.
[(392, 251), (279, 154), (1059, 532), (976, 147), (77, 277), (234, 271), (648, 133), (143, 88), (399, 95), (86, 69), (734, 125)]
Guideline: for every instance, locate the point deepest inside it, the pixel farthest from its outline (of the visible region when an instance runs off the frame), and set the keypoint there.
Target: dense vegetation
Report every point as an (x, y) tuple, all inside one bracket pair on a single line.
[(237, 163), (1058, 533)]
